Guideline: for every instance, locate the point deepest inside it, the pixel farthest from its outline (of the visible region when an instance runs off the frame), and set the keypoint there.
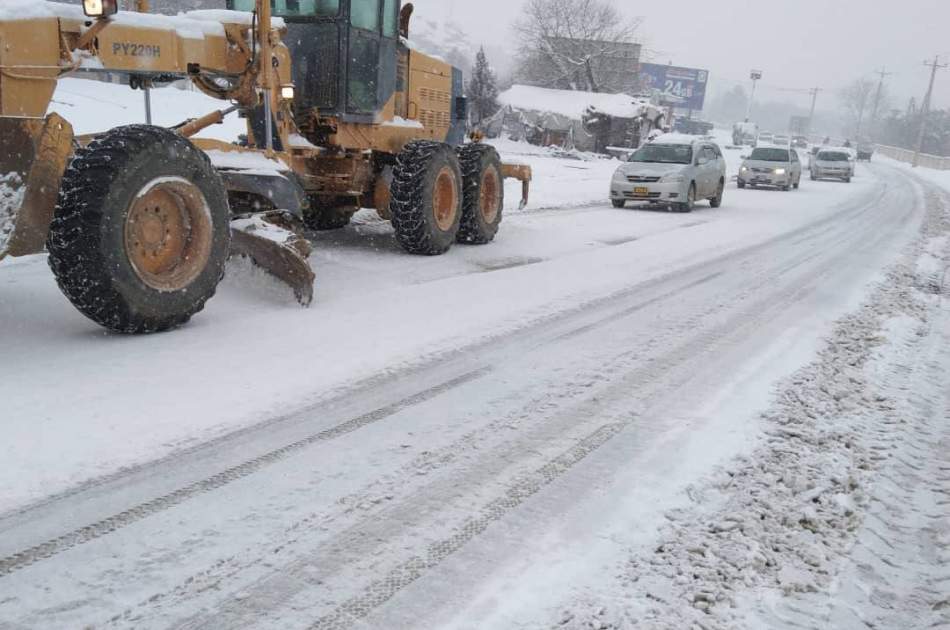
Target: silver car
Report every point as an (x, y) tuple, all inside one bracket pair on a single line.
[(775, 167), (674, 170), (832, 164)]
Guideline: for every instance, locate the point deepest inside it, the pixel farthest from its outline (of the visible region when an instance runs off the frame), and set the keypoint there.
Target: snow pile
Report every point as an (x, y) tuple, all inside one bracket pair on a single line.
[(11, 196), (573, 104), (765, 538)]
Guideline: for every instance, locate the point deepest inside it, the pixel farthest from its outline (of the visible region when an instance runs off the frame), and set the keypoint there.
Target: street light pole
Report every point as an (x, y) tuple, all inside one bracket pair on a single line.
[(811, 115), (755, 75)]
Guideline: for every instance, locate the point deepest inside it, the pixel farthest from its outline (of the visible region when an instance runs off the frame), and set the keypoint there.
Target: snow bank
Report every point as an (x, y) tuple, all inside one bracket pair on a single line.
[(762, 540), (573, 104), (11, 196)]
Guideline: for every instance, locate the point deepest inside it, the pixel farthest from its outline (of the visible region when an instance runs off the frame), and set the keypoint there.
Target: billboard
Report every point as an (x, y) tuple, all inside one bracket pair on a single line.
[(687, 84)]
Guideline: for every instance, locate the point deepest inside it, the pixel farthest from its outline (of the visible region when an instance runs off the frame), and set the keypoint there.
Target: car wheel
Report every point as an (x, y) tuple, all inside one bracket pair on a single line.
[(741, 184), (618, 203), (716, 201), (690, 200)]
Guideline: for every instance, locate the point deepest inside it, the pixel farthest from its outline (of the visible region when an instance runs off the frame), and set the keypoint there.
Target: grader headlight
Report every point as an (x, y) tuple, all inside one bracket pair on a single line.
[(100, 8), (287, 92)]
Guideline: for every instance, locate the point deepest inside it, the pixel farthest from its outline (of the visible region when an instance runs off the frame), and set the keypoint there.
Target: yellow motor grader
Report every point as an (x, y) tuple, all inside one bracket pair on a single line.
[(342, 113)]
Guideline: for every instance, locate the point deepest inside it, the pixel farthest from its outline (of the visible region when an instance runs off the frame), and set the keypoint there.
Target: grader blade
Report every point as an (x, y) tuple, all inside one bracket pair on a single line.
[(33, 156), (271, 242), (523, 173)]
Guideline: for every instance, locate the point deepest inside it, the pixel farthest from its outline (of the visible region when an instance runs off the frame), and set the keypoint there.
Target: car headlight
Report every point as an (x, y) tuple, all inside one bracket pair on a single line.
[(744, 169), (780, 171), (620, 175), (675, 178)]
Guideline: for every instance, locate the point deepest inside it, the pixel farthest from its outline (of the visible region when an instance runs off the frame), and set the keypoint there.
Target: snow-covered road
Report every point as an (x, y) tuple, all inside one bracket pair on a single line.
[(483, 440)]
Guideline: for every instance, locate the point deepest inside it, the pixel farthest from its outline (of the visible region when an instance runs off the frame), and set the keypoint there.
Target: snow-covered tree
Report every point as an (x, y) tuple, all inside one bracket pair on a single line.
[(857, 99), (585, 45), (482, 90)]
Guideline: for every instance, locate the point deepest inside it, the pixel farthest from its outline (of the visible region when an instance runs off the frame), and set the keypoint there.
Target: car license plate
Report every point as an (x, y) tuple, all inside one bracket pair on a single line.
[(640, 190)]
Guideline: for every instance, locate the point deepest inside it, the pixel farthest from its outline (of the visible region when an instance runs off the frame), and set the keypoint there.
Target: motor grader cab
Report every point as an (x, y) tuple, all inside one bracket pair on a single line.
[(341, 114)]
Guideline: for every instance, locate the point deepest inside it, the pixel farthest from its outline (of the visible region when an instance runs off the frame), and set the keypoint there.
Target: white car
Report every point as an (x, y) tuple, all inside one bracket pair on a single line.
[(832, 163), (782, 141), (778, 167), (674, 169)]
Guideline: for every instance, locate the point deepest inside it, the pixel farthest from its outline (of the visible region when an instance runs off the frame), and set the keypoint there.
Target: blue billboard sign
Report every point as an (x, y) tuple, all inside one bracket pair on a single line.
[(687, 86)]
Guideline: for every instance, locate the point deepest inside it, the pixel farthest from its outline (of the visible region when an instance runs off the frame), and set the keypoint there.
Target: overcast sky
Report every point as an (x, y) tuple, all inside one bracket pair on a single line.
[(798, 43)]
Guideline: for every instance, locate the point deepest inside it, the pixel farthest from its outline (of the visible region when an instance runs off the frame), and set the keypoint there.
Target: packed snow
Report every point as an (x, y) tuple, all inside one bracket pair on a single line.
[(11, 197)]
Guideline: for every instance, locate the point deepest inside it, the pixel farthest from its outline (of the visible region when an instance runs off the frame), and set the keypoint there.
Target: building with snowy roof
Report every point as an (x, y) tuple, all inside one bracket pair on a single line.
[(586, 121)]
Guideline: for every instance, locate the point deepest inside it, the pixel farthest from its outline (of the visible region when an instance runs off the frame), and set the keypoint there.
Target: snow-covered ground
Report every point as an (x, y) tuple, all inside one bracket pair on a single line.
[(605, 419)]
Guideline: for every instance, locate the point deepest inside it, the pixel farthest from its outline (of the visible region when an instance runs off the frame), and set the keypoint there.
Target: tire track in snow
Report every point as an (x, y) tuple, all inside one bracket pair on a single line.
[(847, 210), (82, 535), (813, 416), (270, 594), (143, 510)]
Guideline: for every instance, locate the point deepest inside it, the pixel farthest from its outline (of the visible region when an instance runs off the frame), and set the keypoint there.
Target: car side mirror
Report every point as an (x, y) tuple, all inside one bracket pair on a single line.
[(744, 157)]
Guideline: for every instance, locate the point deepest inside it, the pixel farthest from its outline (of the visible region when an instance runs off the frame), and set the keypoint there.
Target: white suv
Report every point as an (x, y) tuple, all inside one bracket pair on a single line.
[(673, 169)]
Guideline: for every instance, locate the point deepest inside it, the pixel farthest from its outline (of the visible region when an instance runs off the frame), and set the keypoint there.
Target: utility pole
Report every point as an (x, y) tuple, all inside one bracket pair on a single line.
[(883, 73), (755, 76), (925, 108), (814, 101), (864, 102)]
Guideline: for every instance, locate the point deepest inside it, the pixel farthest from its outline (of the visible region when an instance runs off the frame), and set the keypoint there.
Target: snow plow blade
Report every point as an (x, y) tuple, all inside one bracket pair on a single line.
[(32, 162), (272, 243), (522, 173)]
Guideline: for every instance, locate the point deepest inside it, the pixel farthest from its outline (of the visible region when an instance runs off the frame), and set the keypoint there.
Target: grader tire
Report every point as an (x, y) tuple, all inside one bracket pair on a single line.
[(141, 231), (426, 201), (484, 194)]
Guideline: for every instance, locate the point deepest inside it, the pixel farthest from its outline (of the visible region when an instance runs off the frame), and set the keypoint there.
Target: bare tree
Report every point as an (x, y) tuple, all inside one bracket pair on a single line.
[(576, 44), (857, 98)]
